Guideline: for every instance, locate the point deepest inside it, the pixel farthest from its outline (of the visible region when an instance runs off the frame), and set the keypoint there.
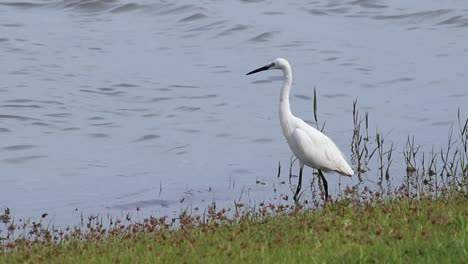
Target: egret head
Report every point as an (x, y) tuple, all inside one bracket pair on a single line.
[(279, 64)]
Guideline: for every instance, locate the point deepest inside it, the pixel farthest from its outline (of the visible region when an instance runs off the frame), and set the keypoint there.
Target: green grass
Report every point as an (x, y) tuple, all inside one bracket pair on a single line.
[(420, 231)]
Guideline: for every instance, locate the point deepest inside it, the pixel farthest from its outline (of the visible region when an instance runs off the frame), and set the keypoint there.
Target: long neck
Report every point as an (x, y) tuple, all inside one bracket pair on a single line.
[(285, 109)]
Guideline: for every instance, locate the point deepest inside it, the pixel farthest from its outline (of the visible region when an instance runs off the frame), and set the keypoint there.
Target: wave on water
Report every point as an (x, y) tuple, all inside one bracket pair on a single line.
[(195, 13), (102, 6), (416, 15)]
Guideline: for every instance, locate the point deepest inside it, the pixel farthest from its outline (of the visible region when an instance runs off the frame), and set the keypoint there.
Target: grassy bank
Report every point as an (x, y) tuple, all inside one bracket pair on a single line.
[(426, 230)]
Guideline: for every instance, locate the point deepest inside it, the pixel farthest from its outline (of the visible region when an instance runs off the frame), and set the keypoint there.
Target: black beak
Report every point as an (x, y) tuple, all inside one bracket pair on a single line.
[(264, 68)]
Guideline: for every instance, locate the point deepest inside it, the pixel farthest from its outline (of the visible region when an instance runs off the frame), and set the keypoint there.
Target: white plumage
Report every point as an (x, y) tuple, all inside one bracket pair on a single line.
[(310, 146), (315, 149)]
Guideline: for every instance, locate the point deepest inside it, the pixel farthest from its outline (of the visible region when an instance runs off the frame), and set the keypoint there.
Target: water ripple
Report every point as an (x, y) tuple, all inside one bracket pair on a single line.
[(188, 108), (20, 106), (368, 4), (147, 137), (143, 204), (179, 9), (19, 147), (460, 21), (16, 117), (128, 8), (193, 17), (23, 159), (264, 37), (232, 30), (21, 4), (303, 97), (102, 93), (415, 16), (98, 135)]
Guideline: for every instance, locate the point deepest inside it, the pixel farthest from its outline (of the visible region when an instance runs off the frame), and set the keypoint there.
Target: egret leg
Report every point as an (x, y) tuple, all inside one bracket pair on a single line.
[(299, 185), (325, 184)]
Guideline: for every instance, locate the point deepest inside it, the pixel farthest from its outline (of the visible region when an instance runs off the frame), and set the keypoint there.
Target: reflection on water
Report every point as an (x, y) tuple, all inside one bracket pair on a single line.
[(114, 105)]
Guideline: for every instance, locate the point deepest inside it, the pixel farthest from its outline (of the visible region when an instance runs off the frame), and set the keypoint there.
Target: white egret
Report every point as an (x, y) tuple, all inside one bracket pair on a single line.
[(310, 146)]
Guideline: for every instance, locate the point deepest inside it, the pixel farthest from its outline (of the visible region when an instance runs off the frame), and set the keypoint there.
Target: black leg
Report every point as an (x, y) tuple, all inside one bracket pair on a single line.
[(325, 184), (299, 186)]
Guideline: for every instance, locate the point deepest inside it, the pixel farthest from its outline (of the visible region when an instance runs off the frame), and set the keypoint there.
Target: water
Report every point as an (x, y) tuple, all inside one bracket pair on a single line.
[(109, 105)]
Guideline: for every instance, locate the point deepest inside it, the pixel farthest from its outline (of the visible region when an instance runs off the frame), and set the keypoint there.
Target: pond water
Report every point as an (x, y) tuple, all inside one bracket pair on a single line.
[(110, 105)]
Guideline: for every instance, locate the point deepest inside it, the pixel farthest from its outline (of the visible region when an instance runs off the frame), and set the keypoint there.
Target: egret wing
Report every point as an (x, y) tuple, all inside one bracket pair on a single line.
[(317, 150), (307, 149)]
